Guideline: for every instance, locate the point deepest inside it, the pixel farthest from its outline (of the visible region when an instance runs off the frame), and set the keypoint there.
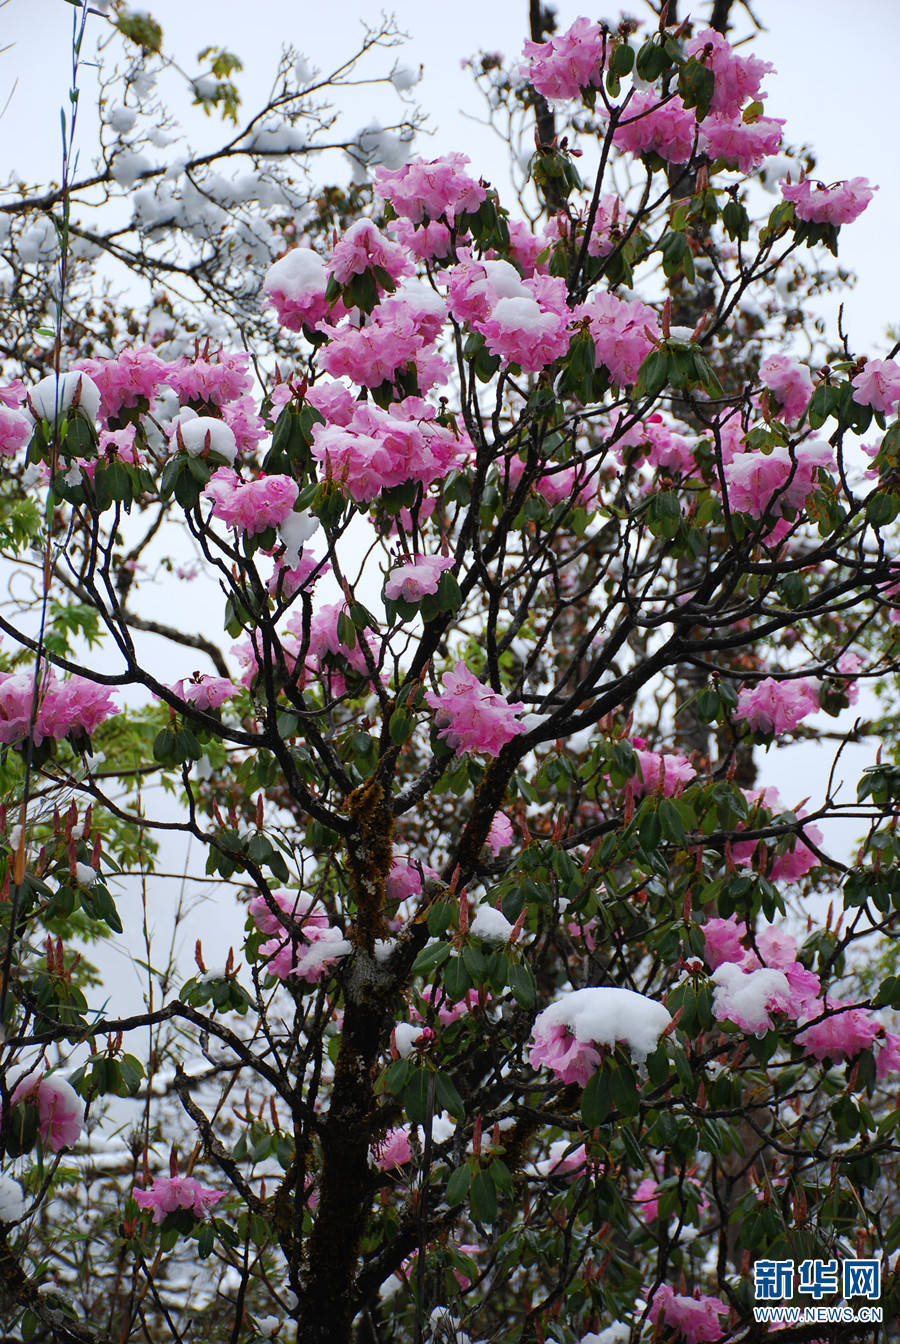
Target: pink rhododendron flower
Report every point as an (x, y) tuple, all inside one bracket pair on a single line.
[(646, 1198), (211, 381), (204, 691), (566, 1034), (501, 833), (748, 998), (791, 384), (842, 1035), (60, 1109), (436, 189), (306, 955), (296, 285), (15, 430), (840, 203), (471, 716), (363, 247), (405, 878), (251, 506), (428, 242), (737, 77), (396, 335), (379, 449), (665, 128), (393, 1150), (624, 331), (417, 577), (658, 771), (877, 385), (558, 1049), (776, 706), (723, 941), (73, 706), (569, 62), (521, 332), (133, 374), (888, 1058), (695, 1319), (168, 1193), (474, 288), (744, 143)]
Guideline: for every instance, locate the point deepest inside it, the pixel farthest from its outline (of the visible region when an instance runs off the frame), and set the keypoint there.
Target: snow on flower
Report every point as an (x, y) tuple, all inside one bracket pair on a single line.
[(840, 203), (471, 716), (436, 189), (296, 285), (306, 953), (168, 1193), (569, 62), (748, 998), (776, 706), (566, 1035), (201, 432), (418, 577), (60, 1109), (54, 396), (523, 332), (695, 1319), (13, 1202), (877, 385), (251, 506), (491, 925)]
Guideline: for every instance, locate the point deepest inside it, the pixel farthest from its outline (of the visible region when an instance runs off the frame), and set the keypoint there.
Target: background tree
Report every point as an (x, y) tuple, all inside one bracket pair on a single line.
[(518, 1045)]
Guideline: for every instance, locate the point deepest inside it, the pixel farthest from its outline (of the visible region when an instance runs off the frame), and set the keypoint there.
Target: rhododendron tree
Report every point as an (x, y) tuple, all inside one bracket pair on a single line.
[(538, 532)]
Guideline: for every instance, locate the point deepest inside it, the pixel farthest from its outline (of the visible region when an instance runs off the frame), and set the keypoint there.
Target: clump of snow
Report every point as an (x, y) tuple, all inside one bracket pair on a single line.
[(609, 1016), (85, 875), (12, 1200), (127, 168), (296, 529), (405, 1037), (205, 432), (52, 393), (405, 77), (491, 925), (121, 119)]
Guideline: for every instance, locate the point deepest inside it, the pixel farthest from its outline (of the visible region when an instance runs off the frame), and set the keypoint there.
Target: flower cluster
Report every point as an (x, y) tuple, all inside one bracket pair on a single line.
[(76, 706), (169, 1193), (60, 1109), (307, 947), (472, 717)]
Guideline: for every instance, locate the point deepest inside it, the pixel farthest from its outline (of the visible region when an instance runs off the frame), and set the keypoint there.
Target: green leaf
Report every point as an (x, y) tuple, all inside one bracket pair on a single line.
[(458, 1186), (447, 1098), (521, 982), (652, 375), (415, 1097), (596, 1100), (430, 957), (483, 1201), (696, 85)]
